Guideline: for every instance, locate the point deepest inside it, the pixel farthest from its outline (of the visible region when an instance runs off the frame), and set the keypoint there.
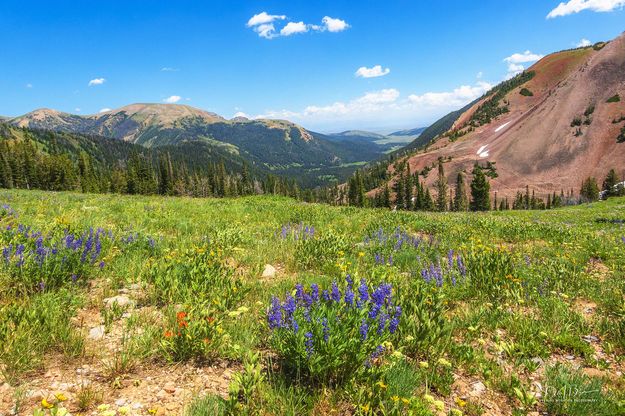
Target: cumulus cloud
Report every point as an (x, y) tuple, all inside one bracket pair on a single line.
[(264, 24), (334, 25), (294, 27), (583, 43), (240, 114), (515, 60), (263, 18), (384, 106), (576, 6), (96, 81), (172, 99), (376, 71), (105, 110), (169, 69)]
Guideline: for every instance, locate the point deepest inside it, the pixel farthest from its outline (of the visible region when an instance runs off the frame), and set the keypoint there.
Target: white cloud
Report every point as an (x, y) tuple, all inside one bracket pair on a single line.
[(264, 25), (240, 114), (519, 58), (105, 110), (263, 18), (576, 6), (294, 27), (456, 98), (334, 25), (169, 69), (77, 110), (97, 81), (382, 107), (29, 85), (376, 71), (479, 75), (583, 43), (172, 99), (515, 60)]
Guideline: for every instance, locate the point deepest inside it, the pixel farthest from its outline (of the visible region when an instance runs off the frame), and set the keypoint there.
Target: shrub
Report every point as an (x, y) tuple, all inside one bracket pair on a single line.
[(577, 121), (195, 334), (197, 273), (621, 137), (614, 99), (321, 250), (526, 93), (328, 336), (424, 330)]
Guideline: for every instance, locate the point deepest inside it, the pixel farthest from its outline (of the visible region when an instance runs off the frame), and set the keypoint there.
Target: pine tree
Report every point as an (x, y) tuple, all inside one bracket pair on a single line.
[(408, 189), (609, 183), (480, 190), (589, 191), (461, 200), (441, 187)]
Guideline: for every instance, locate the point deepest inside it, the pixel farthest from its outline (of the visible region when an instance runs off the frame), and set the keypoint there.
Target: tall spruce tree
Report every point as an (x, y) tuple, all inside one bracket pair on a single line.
[(480, 190), (441, 187), (461, 200)]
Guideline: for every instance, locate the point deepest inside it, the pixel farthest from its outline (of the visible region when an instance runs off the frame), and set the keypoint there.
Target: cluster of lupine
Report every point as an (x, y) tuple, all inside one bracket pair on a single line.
[(380, 259), (333, 333), (7, 211), (436, 273), (398, 239), (299, 231), (47, 262)]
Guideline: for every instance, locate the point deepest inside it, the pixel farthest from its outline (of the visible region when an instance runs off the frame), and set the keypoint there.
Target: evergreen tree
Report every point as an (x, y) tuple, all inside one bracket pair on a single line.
[(480, 190), (461, 200), (589, 191), (441, 187), (609, 183)]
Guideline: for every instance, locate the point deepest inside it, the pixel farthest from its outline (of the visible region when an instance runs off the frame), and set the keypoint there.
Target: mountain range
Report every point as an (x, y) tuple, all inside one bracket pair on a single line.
[(276, 146)]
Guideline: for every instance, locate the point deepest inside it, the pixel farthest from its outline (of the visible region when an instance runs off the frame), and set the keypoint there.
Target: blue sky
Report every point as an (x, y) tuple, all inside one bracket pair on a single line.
[(315, 67)]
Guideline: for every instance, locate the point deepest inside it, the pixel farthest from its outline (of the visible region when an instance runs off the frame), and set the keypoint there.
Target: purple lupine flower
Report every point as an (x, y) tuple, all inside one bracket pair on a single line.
[(450, 259), (364, 330), (299, 292), (289, 307), (74, 278), (461, 266), (274, 315), (295, 326), (382, 322), (42, 286), (314, 292), (527, 260), (101, 265), (394, 323), (349, 296), (363, 291), (326, 330), (349, 280), (325, 295), (6, 253), (309, 343), (335, 295)]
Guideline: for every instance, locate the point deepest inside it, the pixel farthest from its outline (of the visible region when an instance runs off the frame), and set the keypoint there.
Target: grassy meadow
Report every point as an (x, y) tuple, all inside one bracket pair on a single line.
[(118, 305)]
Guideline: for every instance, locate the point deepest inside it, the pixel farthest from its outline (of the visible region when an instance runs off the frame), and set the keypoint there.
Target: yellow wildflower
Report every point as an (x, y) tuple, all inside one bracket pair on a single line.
[(428, 398), (439, 405), (124, 410), (152, 411), (364, 407), (395, 398), (460, 402), (444, 362), (103, 407), (381, 384), (424, 364), (60, 397), (361, 254), (46, 404), (405, 401)]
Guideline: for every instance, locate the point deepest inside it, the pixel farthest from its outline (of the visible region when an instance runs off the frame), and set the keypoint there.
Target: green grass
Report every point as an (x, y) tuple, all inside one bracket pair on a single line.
[(526, 273)]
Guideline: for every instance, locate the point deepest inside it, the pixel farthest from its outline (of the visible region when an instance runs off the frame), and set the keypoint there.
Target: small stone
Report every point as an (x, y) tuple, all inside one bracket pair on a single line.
[(120, 300), (96, 334), (569, 357), (120, 402), (123, 291), (137, 406), (590, 338), (269, 271), (161, 395), (170, 387), (478, 388)]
